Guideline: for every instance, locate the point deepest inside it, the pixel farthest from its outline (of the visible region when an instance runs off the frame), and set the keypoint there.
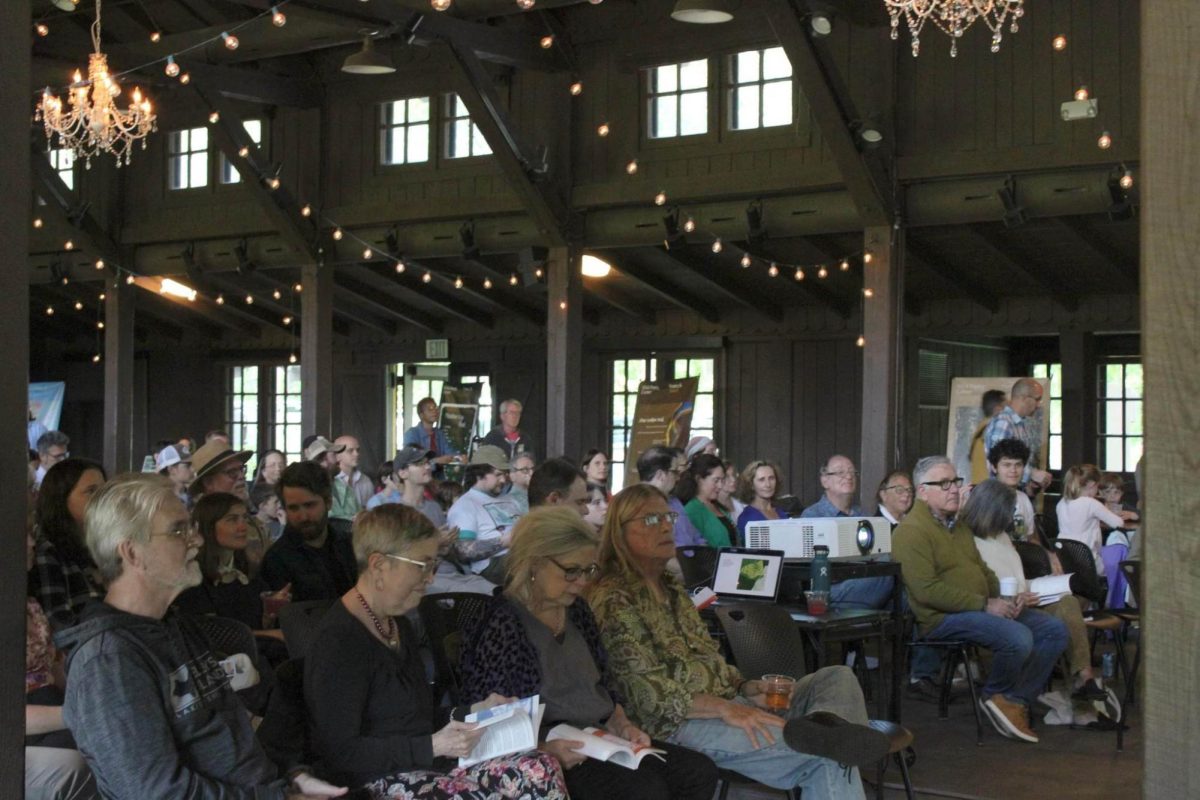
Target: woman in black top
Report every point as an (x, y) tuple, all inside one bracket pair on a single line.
[(370, 711)]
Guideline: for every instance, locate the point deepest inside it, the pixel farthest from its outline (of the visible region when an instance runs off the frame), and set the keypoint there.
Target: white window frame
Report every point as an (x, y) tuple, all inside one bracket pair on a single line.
[(397, 116), (659, 91), (187, 164), (741, 88), (229, 173), (456, 120)]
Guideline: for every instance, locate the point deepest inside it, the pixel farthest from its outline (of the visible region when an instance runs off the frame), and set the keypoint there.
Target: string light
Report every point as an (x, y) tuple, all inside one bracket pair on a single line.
[(185, 78), (68, 245), (96, 358), (562, 305), (1059, 43), (306, 211), (487, 283), (100, 325), (49, 311), (689, 225), (525, 5), (602, 129), (547, 42), (537, 273), (632, 167), (249, 299), (746, 261), (577, 88), (244, 151), (660, 199), (512, 279), (292, 358), (1081, 93), (220, 300), (399, 267), (337, 234), (717, 246), (65, 280), (42, 29), (129, 280), (277, 17), (440, 5), (845, 265), (287, 320), (37, 222), (868, 292), (773, 270), (214, 118), (297, 288), (367, 253), (822, 272), (1105, 141), (868, 257), (861, 341), (231, 41), (278, 295), (458, 282), (102, 295), (273, 183), (1126, 180), (78, 306), (99, 263), (799, 274), (172, 69), (427, 277)]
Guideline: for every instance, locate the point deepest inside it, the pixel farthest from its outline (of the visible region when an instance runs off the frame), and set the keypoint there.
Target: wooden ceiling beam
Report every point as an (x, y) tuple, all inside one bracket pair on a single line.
[(1076, 230), (430, 293), (840, 305), (952, 274), (617, 300), (989, 237), (363, 295), (666, 290), (709, 269)]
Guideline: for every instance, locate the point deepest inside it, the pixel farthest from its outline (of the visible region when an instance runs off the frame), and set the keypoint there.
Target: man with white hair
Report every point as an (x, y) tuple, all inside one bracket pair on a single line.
[(508, 435), (954, 595), (351, 489), (151, 708)]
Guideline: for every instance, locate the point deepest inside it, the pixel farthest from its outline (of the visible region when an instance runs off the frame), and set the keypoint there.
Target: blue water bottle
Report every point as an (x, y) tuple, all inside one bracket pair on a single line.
[(820, 569), (1108, 666)]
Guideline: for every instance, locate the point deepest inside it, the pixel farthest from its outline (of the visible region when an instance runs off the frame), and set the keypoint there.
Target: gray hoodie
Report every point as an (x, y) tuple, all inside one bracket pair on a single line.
[(153, 713)]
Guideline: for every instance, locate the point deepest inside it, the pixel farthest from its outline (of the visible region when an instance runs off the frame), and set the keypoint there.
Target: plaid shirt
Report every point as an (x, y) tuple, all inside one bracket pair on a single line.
[(1008, 424), (62, 587)]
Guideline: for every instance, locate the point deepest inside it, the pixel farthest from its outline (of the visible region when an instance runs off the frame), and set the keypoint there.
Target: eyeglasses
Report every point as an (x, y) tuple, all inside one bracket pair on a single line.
[(572, 574), (898, 489), (654, 520), (945, 485), (181, 530), (522, 470), (56, 457), (841, 473), (235, 472), (427, 567)]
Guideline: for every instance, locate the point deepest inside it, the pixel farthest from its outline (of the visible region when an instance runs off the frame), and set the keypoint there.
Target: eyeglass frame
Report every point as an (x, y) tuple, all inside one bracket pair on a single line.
[(840, 473), (900, 489), (673, 516), (182, 532), (573, 574), (945, 485), (428, 568)]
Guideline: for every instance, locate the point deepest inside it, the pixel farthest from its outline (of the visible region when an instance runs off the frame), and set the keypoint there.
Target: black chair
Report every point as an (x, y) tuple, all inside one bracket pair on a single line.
[(1035, 561), (764, 639), (228, 637), (698, 565), (1132, 570), (956, 652), (299, 622), (1076, 557), (444, 616), (284, 729)]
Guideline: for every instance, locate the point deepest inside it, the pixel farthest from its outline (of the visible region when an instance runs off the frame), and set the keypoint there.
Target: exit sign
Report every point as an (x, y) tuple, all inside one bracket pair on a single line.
[(437, 349)]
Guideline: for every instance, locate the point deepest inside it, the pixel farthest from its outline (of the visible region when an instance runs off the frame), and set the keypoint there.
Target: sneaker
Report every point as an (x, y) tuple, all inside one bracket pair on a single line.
[(924, 689), (829, 736), (1089, 690), (1009, 718)]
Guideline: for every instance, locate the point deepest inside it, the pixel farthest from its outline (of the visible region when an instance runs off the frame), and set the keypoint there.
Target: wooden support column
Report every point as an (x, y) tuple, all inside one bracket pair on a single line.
[(564, 352), (1170, 294), (119, 302), (1077, 353), (15, 25), (316, 350), (883, 315)]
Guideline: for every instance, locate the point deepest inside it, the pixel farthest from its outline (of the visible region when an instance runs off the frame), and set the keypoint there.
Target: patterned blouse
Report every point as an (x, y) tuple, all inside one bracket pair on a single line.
[(659, 654), (63, 587), (39, 652)]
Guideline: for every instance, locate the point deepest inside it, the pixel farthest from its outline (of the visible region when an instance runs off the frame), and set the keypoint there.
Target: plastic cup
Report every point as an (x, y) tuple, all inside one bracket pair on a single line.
[(817, 602), (1008, 588), (778, 692)]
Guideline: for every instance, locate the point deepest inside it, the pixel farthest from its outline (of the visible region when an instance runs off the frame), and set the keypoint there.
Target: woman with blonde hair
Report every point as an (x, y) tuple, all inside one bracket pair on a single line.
[(1080, 513), (679, 688), (370, 711), (758, 486), (540, 638)]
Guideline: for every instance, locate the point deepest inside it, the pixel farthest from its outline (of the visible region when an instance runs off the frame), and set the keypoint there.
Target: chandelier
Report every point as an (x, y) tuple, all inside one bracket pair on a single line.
[(94, 123), (954, 17)]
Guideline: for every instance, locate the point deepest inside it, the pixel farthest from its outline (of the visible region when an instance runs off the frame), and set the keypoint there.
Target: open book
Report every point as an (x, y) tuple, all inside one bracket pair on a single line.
[(1051, 588), (511, 728), (604, 746)]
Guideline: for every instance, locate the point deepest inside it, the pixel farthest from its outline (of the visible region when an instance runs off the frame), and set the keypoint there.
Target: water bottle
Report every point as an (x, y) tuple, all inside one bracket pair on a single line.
[(820, 569), (1108, 666)]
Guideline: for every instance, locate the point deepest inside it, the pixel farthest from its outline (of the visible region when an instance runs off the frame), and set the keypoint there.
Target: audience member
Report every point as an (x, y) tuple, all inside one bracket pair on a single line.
[(34, 430), (186, 445), (323, 452), (371, 714), (678, 687), (429, 435), (178, 467), (954, 595), (52, 447), (312, 557), (508, 435), (218, 436), (268, 511), (758, 485), (698, 445), (660, 466), (595, 467), (991, 403), (64, 578), (270, 467), (1007, 460), (389, 490), (1110, 490), (727, 493), (414, 472), (839, 479), (518, 481), (558, 482), (152, 710), (1080, 513), (1015, 421), (483, 515), (895, 496), (540, 638), (988, 514), (351, 489), (597, 505), (697, 489), (219, 469)]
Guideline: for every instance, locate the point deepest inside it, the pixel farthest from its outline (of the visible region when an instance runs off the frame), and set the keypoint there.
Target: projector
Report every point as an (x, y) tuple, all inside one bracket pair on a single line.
[(1080, 109), (846, 537)]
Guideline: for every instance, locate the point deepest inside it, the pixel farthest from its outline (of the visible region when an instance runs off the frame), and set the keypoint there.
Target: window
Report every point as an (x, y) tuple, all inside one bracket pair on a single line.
[(626, 374), (677, 99), (63, 161), (404, 131), (241, 408), (463, 139), (760, 94), (414, 382), (1119, 418), (229, 173), (705, 415), (285, 422), (483, 420), (1053, 411), (187, 158)]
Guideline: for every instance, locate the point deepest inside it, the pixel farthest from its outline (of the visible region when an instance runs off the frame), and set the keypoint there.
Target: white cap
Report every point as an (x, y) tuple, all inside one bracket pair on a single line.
[(168, 457)]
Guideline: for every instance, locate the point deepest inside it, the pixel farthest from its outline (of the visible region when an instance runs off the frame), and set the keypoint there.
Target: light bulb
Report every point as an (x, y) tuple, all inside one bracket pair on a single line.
[(689, 225), (185, 78), (220, 300), (426, 278), (102, 297), (861, 341), (799, 274), (487, 283), (214, 118), (129, 280), (868, 292), (746, 261), (562, 305), (99, 263), (602, 129), (512, 279), (822, 272), (399, 267), (306, 211), (1105, 141), (537, 273), (277, 17), (287, 320), (337, 234), (595, 2), (37, 222), (231, 41), (244, 151), (577, 88), (458, 282), (525, 5), (717, 246), (292, 358), (440, 5), (845, 265), (660, 199), (42, 29), (632, 167), (773, 270), (1081, 93), (297, 288), (273, 183), (155, 37), (278, 295), (49, 311), (78, 306), (367, 253), (68, 245), (100, 325), (1059, 43), (249, 299), (172, 69), (96, 358), (868, 257), (1127, 180), (546, 42)]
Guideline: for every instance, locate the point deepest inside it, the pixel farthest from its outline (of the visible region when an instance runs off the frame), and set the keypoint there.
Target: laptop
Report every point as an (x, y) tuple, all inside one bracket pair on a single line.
[(744, 574)]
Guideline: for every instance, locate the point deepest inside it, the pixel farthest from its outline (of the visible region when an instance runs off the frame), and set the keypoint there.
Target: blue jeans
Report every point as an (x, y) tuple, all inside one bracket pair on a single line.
[(1024, 649), (832, 689), (861, 593)]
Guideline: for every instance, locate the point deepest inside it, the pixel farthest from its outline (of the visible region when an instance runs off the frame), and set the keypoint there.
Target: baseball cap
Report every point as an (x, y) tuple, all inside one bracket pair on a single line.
[(410, 454), (320, 446), (492, 456)]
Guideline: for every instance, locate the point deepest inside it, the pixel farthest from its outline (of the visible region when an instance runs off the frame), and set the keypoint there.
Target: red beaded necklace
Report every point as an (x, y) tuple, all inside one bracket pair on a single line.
[(391, 636)]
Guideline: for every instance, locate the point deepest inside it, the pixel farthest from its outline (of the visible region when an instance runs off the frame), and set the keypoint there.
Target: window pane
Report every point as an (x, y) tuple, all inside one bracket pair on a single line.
[(1056, 380), (1113, 450), (253, 130), (198, 170), (460, 147), (706, 370), (637, 374), (618, 375), (479, 145), (249, 408), (617, 472), (693, 74), (1039, 370), (1113, 380), (1133, 381), (777, 104), (693, 113), (665, 117), (665, 79), (1133, 453), (704, 412), (776, 64), (1055, 461), (1055, 417), (418, 109), (250, 376), (618, 445), (1133, 418), (618, 410), (1113, 417), (418, 143), (199, 139), (747, 66), (746, 104), (394, 151)]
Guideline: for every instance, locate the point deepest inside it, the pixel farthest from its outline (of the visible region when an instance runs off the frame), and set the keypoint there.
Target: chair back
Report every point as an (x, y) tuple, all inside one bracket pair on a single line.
[(284, 729), (1047, 526), (697, 564), (444, 616), (1076, 557), (1035, 561), (1132, 570), (300, 622), (763, 639), (227, 636)]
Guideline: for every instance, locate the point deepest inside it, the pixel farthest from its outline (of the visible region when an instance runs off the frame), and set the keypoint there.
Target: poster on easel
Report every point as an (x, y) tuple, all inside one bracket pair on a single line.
[(663, 415), (459, 410), (964, 433), (46, 404)]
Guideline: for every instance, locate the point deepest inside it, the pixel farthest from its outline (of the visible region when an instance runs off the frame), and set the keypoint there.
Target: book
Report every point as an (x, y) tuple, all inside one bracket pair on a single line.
[(604, 746), (1051, 588), (511, 728)]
